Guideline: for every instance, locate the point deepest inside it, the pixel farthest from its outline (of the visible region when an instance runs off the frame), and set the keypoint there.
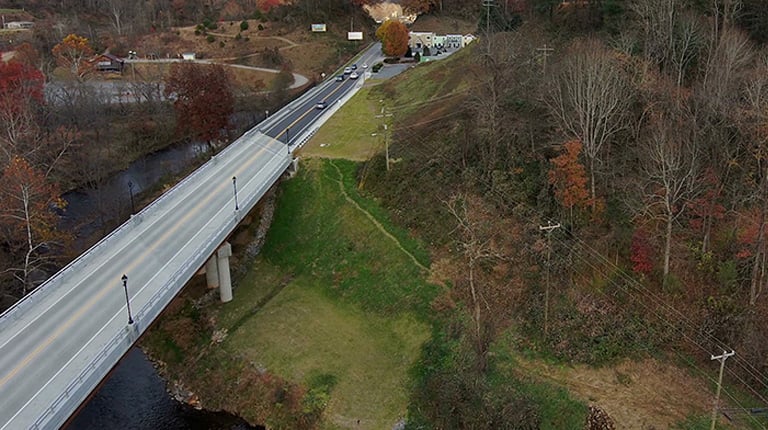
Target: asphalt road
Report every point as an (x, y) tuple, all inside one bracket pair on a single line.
[(49, 338)]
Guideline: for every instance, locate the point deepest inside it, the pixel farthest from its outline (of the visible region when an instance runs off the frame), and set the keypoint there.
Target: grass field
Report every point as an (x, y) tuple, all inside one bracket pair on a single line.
[(352, 133), (334, 296)]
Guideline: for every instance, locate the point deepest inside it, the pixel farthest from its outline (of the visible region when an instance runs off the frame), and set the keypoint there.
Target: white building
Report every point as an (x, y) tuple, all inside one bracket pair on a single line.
[(421, 39)]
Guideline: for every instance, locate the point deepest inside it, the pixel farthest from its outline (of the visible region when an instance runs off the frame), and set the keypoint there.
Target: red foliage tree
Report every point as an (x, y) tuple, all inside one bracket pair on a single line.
[(21, 91), (27, 222), (641, 253), (393, 35), (203, 98), (569, 177)]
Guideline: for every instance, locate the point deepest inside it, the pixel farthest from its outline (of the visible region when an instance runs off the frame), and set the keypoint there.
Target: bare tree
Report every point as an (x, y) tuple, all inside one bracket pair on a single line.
[(686, 44), (656, 19), (591, 100), (671, 167)]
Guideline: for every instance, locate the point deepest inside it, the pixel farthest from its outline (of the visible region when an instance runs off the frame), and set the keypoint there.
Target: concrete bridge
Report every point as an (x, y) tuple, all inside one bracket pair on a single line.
[(59, 342)]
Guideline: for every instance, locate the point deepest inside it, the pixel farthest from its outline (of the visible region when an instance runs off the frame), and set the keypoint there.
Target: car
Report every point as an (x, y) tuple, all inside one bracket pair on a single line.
[(340, 78), (321, 105), (354, 75), (365, 66), (347, 70), (354, 67)]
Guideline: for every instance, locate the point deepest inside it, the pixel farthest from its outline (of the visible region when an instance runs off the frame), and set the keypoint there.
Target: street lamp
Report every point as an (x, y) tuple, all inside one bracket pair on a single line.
[(288, 136), (234, 185), (127, 301), (130, 192)]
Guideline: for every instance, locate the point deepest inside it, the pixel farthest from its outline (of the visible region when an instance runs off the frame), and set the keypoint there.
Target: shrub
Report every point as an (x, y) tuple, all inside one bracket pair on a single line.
[(417, 57), (197, 32), (210, 38), (221, 44), (239, 36), (376, 67), (244, 26)]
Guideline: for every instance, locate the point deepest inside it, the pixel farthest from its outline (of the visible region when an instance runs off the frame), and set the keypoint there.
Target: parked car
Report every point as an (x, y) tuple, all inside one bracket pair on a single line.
[(347, 70), (354, 75), (321, 105), (340, 78)]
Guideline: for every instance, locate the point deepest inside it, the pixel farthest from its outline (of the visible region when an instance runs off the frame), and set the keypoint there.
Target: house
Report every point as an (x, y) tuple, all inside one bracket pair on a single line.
[(18, 25), (418, 40), (454, 41), (108, 63), (438, 41), (189, 56), (467, 39)]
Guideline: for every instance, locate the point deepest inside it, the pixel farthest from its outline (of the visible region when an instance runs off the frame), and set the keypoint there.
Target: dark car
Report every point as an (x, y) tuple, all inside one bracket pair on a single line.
[(340, 78), (321, 105), (354, 67)]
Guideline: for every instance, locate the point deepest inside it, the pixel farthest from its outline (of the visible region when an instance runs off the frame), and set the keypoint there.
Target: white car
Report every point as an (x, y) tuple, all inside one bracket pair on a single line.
[(365, 66), (347, 70), (354, 75)]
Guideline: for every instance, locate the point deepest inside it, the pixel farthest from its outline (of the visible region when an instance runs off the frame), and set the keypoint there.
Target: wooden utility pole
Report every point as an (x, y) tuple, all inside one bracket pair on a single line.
[(548, 228), (546, 51), (722, 359), (384, 117)]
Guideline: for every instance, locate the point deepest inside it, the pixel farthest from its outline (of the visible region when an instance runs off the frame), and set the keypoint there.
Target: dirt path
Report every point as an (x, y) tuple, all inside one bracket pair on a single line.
[(639, 395), (373, 220)]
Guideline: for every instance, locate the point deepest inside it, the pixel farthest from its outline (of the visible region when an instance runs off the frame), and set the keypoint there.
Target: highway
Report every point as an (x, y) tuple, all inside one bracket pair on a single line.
[(59, 342)]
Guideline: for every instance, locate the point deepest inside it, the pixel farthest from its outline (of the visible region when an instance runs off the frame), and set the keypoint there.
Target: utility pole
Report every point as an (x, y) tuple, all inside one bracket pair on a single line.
[(384, 117), (488, 4), (548, 228), (722, 359), (546, 52)]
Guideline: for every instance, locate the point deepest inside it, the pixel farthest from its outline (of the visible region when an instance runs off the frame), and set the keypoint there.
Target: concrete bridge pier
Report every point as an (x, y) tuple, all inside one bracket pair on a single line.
[(212, 272), (225, 281), (293, 168)]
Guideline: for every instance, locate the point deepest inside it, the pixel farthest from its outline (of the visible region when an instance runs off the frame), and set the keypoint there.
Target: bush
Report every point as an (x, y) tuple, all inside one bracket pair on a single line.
[(417, 57), (197, 32), (391, 60), (376, 67), (244, 26), (239, 36), (210, 38), (221, 44)]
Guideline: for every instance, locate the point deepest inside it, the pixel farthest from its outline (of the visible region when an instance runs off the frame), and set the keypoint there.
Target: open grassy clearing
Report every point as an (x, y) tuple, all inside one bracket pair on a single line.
[(332, 298), (353, 132)]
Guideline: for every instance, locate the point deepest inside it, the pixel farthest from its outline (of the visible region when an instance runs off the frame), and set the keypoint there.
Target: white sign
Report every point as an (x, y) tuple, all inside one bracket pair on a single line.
[(354, 35), (318, 28)]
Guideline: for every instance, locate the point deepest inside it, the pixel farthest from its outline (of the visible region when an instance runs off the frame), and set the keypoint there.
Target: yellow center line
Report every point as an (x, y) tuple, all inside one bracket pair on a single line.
[(89, 304), (305, 114)]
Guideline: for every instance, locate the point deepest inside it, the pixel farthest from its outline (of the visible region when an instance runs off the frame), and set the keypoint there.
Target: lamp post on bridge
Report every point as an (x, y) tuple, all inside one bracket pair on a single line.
[(288, 136), (234, 185), (130, 192), (127, 300)]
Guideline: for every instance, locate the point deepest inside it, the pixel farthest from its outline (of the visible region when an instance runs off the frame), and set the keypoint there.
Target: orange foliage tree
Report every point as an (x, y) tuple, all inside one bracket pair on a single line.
[(394, 38), (73, 53), (569, 178), (27, 220)]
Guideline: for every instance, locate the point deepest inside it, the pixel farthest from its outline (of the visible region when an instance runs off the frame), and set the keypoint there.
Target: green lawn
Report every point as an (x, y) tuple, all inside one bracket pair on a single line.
[(353, 132), (333, 297)]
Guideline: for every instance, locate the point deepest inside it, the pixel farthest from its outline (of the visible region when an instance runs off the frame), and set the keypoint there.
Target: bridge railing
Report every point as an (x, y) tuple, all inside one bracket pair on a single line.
[(79, 388)]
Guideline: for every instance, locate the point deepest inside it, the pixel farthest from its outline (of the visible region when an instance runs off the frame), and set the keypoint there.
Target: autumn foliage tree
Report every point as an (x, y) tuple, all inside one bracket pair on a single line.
[(203, 99), (73, 53), (569, 178), (21, 92), (27, 221), (394, 38)]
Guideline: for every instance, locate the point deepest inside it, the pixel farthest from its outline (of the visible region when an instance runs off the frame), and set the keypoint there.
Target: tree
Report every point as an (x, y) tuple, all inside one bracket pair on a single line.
[(72, 53), (27, 222), (394, 38), (590, 101), (203, 98), (21, 93), (671, 166), (569, 178)]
